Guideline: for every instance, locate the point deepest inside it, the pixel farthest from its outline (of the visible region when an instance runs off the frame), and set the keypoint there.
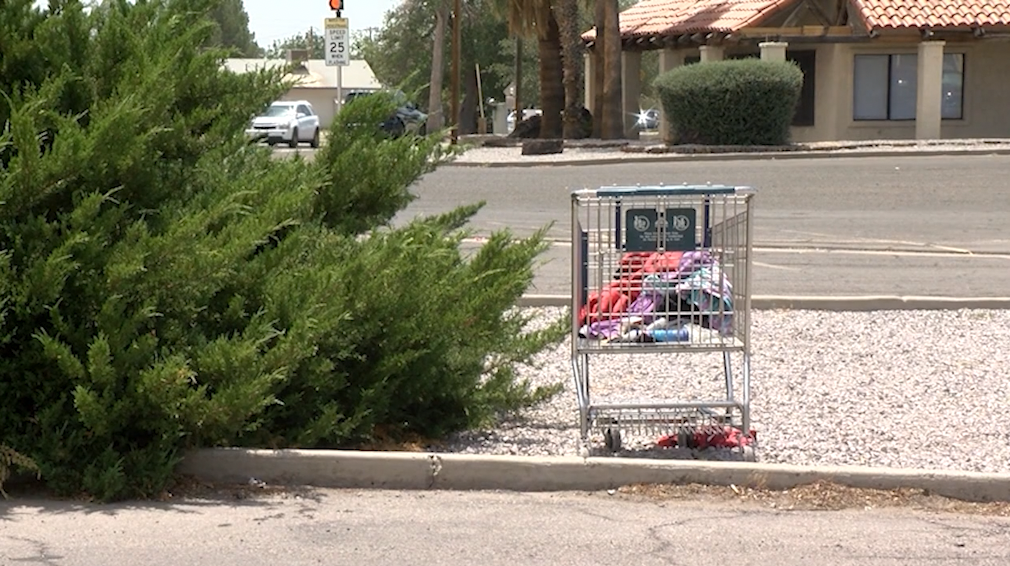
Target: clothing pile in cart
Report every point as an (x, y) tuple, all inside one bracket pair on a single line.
[(655, 297)]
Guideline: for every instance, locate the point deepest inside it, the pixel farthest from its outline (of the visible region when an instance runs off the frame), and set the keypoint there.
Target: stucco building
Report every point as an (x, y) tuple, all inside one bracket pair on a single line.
[(873, 69)]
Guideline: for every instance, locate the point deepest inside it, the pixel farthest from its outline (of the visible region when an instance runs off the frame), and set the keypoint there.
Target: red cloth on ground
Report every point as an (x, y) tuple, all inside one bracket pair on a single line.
[(729, 438)]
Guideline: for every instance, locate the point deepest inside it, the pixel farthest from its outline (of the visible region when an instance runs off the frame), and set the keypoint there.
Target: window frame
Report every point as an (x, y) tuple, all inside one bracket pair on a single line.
[(890, 81)]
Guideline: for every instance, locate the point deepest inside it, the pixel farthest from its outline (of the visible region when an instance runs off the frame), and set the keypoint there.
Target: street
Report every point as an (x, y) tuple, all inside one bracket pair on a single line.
[(372, 528), (841, 226)]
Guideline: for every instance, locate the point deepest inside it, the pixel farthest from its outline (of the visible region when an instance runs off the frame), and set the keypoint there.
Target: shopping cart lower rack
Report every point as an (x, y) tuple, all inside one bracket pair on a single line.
[(660, 272)]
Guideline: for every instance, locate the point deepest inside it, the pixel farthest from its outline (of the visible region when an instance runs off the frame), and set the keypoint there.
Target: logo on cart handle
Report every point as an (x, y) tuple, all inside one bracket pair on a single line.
[(642, 223), (681, 223)]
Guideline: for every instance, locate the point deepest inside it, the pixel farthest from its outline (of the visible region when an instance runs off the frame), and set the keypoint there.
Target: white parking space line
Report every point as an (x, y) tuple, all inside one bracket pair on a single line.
[(856, 240), (820, 249), (771, 266)]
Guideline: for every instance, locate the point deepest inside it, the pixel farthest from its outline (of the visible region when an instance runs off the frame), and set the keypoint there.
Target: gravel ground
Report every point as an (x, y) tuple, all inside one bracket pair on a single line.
[(514, 154), (905, 389)]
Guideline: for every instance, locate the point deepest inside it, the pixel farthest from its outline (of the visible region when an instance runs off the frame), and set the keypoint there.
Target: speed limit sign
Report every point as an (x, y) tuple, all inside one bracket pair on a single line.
[(338, 50)]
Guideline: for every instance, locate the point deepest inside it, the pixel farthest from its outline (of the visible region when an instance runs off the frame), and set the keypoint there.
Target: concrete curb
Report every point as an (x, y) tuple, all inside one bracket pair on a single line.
[(825, 303), (419, 471), (743, 156)]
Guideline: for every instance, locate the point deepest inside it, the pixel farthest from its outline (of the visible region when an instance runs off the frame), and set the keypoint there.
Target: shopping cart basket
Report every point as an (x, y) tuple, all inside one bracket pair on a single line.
[(656, 271)]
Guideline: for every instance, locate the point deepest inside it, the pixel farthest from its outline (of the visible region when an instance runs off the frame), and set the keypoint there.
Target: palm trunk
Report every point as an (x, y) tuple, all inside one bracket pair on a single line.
[(613, 111), (599, 49), (552, 93), (571, 58), (468, 108), (435, 120)]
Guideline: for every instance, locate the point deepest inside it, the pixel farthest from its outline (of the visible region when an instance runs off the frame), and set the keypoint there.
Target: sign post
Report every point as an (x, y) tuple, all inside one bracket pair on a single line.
[(338, 51)]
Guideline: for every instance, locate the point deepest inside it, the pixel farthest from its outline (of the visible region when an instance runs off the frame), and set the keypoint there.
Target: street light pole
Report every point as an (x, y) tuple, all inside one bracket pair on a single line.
[(454, 103)]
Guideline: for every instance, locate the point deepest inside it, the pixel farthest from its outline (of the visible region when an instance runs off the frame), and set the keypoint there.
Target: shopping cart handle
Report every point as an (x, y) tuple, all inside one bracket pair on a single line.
[(661, 190)]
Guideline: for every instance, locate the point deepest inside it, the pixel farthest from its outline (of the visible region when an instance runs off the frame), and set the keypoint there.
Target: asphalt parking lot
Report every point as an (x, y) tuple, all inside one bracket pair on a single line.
[(905, 225)]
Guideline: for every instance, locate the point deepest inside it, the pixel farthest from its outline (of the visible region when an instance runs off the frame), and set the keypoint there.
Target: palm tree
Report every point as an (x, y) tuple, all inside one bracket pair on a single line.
[(612, 107), (571, 50), (435, 121), (536, 18), (599, 51)]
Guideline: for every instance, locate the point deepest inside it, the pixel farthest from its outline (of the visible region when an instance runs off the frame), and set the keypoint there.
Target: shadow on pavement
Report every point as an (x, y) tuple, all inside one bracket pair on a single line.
[(187, 496)]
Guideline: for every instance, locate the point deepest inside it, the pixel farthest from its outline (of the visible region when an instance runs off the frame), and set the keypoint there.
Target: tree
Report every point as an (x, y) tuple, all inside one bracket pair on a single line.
[(232, 28), (311, 41), (400, 52), (436, 84), (165, 284), (401, 55), (599, 52), (535, 18), (570, 22), (612, 107)]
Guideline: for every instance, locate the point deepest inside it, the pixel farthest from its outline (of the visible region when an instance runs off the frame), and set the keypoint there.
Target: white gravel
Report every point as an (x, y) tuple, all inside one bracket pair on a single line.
[(504, 155), (906, 389)]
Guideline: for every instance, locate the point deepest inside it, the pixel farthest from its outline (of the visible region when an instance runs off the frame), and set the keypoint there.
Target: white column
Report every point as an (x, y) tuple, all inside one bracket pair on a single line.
[(669, 59), (590, 77), (929, 91), (711, 53), (631, 89), (773, 50)]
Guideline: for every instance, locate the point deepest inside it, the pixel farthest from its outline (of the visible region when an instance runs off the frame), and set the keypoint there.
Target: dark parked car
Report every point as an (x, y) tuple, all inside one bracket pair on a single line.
[(406, 118)]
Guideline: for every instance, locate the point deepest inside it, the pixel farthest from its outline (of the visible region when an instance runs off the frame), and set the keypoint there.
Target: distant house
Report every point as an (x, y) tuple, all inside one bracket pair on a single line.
[(874, 69), (317, 82)]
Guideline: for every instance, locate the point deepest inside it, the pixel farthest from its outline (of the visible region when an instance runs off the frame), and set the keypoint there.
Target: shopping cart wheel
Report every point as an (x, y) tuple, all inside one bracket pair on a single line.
[(612, 439), (749, 455), (684, 438)]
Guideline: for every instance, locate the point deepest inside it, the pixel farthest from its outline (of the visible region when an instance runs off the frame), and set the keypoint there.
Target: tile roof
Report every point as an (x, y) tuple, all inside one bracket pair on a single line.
[(669, 17), (934, 13)]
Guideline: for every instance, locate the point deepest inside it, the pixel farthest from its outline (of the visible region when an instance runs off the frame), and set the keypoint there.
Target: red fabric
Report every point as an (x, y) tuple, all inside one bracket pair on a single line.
[(613, 300), (663, 262), (729, 438), (604, 305)]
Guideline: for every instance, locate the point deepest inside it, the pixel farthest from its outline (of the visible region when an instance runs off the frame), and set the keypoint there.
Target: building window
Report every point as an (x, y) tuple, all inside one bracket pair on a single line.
[(884, 87), (953, 86)]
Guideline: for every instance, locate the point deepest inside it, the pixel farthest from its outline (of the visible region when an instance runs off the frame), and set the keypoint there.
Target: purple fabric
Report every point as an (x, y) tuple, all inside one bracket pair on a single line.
[(691, 261), (643, 307), (693, 280)]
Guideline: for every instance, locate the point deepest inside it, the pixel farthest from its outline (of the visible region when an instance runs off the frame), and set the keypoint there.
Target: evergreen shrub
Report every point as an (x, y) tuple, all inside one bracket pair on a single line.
[(165, 284), (735, 102)]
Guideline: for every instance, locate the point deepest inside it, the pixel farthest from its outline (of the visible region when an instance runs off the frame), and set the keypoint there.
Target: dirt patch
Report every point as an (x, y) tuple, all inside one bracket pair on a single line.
[(820, 496), (189, 487)]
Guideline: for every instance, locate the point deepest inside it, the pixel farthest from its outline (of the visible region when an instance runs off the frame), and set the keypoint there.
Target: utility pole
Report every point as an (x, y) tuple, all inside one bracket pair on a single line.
[(519, 78), (454, 103)]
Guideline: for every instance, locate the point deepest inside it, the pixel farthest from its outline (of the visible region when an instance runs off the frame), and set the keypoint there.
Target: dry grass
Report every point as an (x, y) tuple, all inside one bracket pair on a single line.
[(820, 496), (386, 440)]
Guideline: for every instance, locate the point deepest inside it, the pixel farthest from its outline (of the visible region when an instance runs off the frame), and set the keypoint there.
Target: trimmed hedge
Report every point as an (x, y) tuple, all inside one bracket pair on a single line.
[(736, 102)]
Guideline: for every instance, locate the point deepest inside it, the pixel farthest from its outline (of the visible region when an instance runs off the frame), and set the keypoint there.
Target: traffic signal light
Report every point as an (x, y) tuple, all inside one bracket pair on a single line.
[(336, 4)]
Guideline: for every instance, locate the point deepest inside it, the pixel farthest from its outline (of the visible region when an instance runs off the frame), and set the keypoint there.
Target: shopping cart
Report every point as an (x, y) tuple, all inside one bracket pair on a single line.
[(657, 271)]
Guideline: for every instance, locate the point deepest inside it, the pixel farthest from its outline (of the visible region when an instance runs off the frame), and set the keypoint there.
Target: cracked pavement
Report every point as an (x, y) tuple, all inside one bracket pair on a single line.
[(486, 528)]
